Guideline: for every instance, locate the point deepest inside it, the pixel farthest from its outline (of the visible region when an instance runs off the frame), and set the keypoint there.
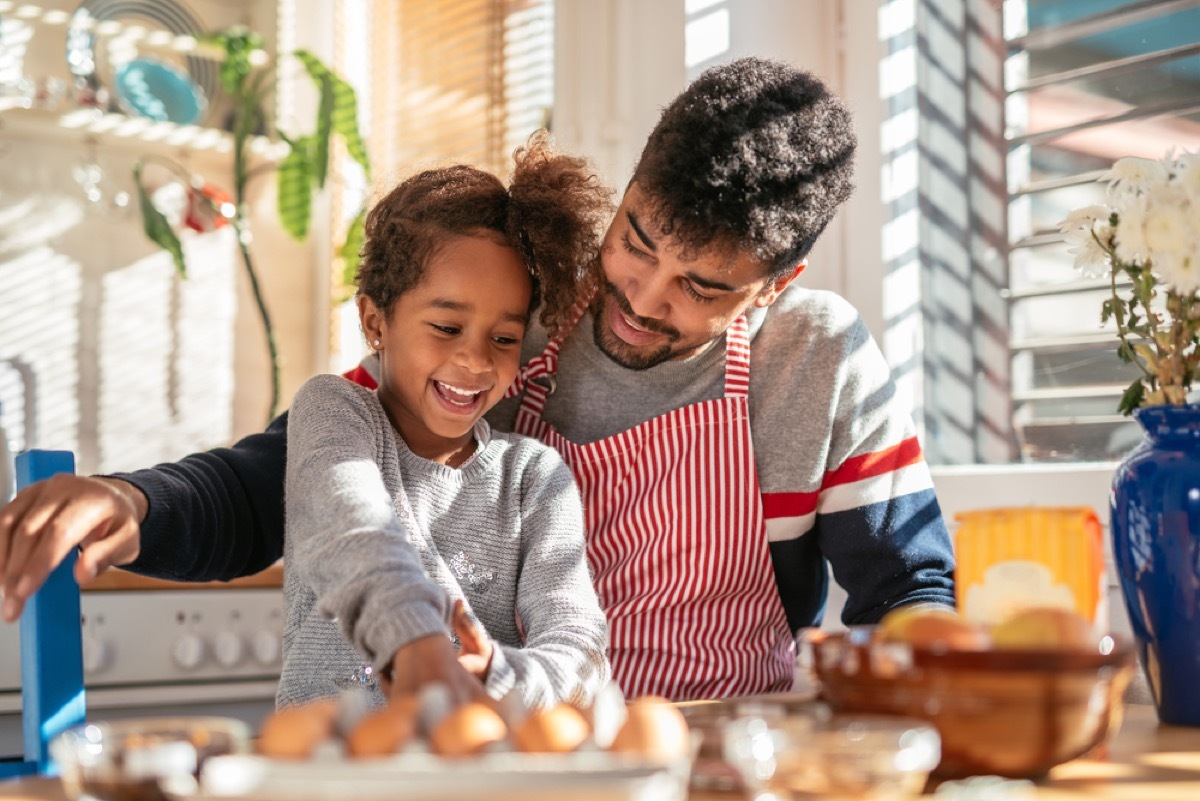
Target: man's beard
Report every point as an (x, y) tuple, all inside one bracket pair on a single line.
[(621, 352)]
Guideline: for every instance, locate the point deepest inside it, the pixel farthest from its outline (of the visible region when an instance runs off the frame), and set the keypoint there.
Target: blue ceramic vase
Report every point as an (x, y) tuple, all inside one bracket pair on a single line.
[(1155, 508)]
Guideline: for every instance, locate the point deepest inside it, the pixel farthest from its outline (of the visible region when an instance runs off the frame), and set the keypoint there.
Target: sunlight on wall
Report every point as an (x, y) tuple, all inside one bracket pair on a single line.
[(707, 32), (104, 351)]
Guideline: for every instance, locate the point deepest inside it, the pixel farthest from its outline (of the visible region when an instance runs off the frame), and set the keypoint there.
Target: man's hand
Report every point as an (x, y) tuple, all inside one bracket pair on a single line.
[(428, 660), (475, 655), (40, 526)]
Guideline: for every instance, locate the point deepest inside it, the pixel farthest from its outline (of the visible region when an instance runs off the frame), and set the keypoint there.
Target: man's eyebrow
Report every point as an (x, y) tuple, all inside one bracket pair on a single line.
[(637, 229), (708, 283)]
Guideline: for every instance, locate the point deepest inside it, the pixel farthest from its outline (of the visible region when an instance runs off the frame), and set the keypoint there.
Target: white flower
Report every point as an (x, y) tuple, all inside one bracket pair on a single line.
[(1091, 259), (1088, 232), (1167, 227), (1179, 272), (1084, 219), (1129, 238), (1132, 176), (1187, 176)]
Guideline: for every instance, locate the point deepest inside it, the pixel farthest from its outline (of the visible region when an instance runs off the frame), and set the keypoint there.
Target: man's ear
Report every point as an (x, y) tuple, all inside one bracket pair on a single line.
[(371, 319), (773, 289)]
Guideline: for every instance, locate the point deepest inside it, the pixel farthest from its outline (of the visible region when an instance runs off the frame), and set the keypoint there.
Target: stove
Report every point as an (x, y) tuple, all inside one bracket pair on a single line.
[(175, 649)]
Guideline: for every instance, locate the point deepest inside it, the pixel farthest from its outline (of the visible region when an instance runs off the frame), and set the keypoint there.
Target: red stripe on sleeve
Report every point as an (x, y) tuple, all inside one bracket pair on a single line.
[(360, 376), (869, 465), (788, 504)]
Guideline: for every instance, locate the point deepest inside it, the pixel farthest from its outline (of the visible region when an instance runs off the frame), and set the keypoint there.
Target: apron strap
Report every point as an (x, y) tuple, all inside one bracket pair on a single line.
[(737, 359), (546, 364)]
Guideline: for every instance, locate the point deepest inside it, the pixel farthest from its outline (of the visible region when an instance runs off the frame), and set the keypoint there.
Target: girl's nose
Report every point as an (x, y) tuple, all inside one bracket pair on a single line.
[(476, 356)]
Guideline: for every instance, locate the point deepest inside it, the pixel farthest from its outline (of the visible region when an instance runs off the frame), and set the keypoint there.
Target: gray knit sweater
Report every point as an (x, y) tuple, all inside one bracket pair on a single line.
[(504, 532)]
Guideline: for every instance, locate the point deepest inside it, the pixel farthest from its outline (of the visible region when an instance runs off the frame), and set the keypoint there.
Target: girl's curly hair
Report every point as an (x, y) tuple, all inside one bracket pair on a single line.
[(754, 156), (552, 212)]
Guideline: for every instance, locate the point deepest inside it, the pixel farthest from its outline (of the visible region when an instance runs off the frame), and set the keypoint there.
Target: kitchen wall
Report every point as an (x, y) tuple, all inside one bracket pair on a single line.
[(104, 350)]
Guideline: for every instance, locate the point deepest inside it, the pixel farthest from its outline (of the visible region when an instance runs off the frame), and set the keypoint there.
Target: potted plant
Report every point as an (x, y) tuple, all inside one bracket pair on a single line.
[(249, 81), (1146, 239)]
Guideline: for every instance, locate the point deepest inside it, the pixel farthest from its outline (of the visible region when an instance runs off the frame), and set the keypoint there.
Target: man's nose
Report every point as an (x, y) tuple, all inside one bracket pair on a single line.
[(647, 296)]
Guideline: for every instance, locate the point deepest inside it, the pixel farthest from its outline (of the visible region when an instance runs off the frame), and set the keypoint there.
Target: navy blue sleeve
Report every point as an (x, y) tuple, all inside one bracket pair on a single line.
[(889, 554), (216, 515)]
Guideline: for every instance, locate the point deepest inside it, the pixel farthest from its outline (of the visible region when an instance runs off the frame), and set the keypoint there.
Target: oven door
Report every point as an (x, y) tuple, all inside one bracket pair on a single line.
[(160, 648)]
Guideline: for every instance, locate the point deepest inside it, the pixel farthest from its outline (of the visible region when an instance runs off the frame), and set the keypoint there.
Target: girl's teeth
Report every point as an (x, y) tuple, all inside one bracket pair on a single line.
[(454, 392)]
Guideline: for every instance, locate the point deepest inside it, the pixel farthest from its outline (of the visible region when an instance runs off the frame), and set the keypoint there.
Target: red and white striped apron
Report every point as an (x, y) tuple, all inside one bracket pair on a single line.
[(677, 541)]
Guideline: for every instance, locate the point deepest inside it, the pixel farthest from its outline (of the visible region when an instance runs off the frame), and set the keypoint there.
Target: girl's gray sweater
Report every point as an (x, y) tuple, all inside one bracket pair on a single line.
[(504, 532)]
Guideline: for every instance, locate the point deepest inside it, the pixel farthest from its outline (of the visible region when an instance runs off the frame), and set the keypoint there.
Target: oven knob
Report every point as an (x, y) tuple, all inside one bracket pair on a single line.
[(97, 654), (187, 651), (228, 649), (266, 647)]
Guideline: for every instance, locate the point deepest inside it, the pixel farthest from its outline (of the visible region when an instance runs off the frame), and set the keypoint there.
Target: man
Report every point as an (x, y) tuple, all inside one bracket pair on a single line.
[(731, 433)]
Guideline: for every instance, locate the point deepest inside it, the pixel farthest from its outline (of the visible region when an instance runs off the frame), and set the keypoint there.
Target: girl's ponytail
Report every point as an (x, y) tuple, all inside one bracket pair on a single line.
[(556, 218)]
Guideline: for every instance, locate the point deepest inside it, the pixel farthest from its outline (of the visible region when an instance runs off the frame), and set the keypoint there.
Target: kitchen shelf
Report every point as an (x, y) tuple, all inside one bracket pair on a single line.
[(140, 134)]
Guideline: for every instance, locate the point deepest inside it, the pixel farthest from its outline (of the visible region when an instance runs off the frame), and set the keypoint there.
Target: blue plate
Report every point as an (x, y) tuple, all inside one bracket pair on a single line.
[(147, 87)]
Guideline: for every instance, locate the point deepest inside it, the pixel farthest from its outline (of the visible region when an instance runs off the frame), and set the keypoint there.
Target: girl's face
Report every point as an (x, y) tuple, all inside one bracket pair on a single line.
[(451, 345)]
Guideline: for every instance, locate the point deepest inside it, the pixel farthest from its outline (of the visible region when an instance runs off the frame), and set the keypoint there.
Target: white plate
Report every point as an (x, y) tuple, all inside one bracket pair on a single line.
[(593, 776)]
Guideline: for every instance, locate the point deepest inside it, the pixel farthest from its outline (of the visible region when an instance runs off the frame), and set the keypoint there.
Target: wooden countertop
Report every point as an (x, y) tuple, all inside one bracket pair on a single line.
[(1146, 762), (120, 580)]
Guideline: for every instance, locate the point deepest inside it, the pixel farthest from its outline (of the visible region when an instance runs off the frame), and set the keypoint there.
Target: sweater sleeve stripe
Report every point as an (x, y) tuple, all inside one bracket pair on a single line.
[(877, 463), (782, 529), (789, 515), (877, 489)]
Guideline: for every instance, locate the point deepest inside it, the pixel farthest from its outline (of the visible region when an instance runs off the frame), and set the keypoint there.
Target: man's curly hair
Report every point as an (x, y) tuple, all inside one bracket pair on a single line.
[(552, 213), (755, 156)]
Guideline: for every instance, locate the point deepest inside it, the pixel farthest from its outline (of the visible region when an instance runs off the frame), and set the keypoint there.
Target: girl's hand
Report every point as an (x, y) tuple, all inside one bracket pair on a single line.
[(430, 660), (476, 653)]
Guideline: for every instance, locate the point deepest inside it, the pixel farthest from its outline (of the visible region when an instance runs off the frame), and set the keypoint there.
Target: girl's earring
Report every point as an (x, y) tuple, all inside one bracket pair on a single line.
[(376, 344)]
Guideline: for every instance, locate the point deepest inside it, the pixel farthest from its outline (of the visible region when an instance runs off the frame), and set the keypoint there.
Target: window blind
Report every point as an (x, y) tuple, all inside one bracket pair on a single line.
[(457, 80), (1085, 83)]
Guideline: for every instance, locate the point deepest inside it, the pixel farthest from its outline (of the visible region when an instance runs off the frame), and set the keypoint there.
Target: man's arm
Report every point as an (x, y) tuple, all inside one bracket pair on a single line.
[(211, 516), (216, 515)]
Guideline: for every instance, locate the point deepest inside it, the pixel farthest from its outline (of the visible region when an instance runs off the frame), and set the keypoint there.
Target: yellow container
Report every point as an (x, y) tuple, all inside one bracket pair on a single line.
[(1012, 558)]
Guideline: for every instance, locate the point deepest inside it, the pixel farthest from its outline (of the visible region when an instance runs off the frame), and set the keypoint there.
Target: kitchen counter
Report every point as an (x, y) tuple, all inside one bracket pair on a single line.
[(117, 580), (1146, 762)]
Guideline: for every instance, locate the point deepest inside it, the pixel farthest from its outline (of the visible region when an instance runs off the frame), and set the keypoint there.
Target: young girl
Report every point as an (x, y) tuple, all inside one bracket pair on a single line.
[(402, 501)]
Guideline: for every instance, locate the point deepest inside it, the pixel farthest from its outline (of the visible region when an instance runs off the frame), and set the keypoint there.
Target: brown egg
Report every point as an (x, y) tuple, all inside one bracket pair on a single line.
[(931, 627), (467, 730), (654, 729), (558, 729), (295, 732), (1045, 628), (384, 731)]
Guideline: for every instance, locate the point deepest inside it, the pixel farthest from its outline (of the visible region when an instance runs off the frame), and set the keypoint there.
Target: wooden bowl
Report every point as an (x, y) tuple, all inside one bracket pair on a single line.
[(1004, 712)]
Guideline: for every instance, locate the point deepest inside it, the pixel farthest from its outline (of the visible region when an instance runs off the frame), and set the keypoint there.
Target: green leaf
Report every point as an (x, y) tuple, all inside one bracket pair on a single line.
[(1131, 398), (345, 108), (1125, 352), (1106, 311), (320, 150), (294, 189), (351, 251), (158, 230), (238, 43)]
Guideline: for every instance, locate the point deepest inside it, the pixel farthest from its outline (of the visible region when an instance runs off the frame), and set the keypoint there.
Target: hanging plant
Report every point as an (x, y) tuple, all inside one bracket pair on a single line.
[(249, 81)]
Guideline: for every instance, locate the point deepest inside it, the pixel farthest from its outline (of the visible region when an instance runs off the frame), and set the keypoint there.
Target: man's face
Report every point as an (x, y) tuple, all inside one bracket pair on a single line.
[(654, 306)]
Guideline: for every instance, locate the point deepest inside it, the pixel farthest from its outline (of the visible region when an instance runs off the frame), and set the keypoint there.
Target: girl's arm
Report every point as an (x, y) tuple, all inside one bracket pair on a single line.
[(347, 544), (566, 634)]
